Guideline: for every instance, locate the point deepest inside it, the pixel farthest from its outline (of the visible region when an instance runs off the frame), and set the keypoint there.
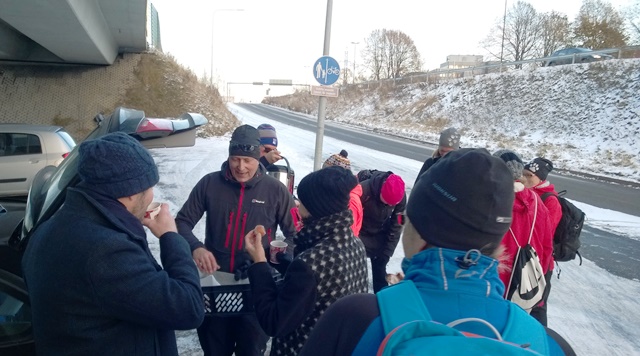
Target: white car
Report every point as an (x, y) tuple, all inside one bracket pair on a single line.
[(25, 150)]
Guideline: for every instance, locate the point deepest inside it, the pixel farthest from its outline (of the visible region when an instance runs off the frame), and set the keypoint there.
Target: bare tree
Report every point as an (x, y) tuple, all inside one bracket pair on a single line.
[(521, 33), (633, 17), (598, 25), (390, 54), (555, 32)]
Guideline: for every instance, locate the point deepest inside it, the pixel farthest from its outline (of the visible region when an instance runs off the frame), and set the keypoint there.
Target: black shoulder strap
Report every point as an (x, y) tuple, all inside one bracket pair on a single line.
[(546, 195)]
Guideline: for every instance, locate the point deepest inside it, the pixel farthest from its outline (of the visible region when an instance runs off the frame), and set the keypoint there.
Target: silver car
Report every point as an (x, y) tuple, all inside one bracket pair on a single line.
[(25, 150)]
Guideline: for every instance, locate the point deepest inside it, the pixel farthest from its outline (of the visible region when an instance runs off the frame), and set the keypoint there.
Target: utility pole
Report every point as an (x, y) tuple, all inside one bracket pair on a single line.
[(504, 25), (322, 105), (213, 16), (353, 80), (345, 79)]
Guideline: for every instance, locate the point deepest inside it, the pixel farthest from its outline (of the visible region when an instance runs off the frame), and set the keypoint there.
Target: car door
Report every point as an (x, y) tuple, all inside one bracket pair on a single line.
[(16, 331), (20, 160)]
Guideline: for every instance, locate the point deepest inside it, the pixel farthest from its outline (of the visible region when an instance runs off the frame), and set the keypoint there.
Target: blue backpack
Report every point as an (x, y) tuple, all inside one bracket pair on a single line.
[(410, 330)]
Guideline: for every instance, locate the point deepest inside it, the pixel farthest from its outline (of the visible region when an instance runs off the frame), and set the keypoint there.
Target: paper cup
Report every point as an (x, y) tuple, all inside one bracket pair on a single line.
[(274, 247), (152, 210)]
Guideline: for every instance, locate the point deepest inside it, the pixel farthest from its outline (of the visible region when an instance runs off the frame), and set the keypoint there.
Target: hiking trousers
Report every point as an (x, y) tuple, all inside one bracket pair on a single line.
[(539, 312), (222, 336)]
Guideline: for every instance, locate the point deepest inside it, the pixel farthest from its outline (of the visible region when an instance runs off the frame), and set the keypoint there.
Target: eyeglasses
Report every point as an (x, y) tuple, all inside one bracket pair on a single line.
[(243, 147), (268, 149)]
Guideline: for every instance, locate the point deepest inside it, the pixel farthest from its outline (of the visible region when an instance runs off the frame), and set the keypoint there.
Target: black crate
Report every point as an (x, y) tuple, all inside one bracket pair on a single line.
[(228, 300)]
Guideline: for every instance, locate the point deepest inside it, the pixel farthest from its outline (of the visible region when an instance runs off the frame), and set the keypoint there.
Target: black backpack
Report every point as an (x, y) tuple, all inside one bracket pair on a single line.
[(566, 240)]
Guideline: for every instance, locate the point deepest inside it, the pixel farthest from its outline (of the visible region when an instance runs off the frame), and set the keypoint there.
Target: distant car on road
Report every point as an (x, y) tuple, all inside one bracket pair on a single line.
[(21, 216), (582, 55), (25, 150)]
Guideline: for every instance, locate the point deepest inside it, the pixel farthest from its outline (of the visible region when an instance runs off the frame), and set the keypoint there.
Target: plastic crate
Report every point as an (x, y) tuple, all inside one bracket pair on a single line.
[(228, 300)]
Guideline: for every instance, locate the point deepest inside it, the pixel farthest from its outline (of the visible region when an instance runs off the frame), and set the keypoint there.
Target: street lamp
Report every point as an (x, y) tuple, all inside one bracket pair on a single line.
[(213, 16), (354, 61)]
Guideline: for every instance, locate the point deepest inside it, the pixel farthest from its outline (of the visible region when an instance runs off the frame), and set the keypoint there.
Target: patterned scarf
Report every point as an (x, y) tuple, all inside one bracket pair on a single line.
[(337, 259)]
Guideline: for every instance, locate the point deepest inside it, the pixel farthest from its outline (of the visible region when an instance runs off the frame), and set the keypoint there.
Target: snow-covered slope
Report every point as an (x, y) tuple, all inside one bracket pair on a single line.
[(584, 117)]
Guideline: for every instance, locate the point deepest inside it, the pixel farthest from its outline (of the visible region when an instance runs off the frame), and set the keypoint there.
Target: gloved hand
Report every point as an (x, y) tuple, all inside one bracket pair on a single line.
[(283, 262), (241, 270)]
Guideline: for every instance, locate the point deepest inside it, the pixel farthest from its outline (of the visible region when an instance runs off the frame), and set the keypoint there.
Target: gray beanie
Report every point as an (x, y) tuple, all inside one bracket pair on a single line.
[(116, 165), (513, 161), (450, 138)]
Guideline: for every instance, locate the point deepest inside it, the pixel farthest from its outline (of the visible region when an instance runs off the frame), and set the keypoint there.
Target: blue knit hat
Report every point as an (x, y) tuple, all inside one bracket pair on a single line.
[(116, 165), (268, 135)]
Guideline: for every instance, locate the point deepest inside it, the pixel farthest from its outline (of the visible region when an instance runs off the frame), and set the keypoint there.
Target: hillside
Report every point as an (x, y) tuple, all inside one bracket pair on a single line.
[(584, 117), (71, 96)]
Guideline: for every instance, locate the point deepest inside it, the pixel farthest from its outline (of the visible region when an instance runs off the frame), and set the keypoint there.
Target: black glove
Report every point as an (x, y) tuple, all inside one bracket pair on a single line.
[(241, 270), (283, 262)]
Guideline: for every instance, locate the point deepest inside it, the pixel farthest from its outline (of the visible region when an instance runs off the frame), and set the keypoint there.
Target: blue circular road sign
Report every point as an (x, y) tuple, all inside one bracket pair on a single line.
[(326, 70)]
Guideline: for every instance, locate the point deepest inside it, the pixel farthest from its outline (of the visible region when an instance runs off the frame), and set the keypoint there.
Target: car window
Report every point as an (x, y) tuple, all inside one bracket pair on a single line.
[(15, 320), (13, 144), (66, 138)]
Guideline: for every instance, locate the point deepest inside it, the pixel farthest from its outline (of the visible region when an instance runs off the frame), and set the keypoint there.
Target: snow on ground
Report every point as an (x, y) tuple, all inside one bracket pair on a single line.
[(594, 310)]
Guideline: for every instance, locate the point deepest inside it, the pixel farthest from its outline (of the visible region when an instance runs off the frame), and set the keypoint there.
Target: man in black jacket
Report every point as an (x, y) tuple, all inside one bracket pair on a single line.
[(236, 199), (95, 288), (449, 141), (383, 203)]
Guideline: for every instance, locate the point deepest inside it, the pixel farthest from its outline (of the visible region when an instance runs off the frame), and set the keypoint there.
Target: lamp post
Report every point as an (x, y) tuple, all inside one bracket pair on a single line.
[(213, 16), (353, 77), (504, 24)]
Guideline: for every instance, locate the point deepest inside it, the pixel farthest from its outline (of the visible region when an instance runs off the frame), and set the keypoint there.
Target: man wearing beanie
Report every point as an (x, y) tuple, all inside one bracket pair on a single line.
[(355, 202), (530, 222), (383, 203), (329, 263), (269, 153), (451, 241), (535, 177), (93, 284), (449, 141), (235, 199)]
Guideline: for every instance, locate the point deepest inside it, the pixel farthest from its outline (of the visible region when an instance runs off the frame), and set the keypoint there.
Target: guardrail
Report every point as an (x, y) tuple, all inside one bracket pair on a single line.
[(436, 75)]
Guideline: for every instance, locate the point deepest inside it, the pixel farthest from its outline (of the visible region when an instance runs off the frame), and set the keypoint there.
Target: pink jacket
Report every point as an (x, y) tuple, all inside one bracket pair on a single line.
[(523, 218), (552, 203), (356, 208)]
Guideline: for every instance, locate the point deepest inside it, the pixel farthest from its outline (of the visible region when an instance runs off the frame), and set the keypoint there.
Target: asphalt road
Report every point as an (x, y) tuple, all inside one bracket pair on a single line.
[(617, 254)]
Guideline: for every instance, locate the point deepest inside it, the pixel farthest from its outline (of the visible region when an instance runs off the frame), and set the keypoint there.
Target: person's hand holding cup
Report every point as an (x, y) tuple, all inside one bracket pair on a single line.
[(152, 210), (159, 220), (275, 247)]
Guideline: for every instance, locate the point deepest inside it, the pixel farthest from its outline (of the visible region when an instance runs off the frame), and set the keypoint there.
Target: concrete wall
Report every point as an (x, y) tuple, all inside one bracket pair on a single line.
[(66, 96)]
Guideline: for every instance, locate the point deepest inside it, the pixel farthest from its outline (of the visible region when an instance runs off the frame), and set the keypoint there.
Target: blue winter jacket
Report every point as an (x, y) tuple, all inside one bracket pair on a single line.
[(451, 290), (96, 289)]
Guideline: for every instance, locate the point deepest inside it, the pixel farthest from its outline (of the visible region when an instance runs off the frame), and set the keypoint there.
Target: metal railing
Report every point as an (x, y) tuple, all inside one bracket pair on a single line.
[(437, 75)]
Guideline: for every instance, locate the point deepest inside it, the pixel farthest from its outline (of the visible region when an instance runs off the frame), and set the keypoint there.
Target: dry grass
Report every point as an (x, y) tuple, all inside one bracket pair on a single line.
[(163, 88)]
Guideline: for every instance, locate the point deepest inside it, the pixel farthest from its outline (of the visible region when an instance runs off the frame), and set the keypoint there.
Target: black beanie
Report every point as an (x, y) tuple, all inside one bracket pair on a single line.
[(540, 167), (245, 141), (326, 191), (450, 210), (116, 165)]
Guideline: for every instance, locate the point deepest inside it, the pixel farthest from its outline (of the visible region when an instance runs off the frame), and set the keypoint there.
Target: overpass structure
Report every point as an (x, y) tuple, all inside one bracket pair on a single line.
[(71, 31)]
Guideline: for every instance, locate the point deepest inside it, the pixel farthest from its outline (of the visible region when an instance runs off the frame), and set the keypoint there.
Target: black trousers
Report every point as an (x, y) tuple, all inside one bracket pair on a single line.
[(539, 312), (379, 272), (222, 336)]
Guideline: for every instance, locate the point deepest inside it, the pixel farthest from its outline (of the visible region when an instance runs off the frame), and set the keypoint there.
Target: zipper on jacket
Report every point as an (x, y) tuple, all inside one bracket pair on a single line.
[(235, 229), (244, 225), (226, 239)]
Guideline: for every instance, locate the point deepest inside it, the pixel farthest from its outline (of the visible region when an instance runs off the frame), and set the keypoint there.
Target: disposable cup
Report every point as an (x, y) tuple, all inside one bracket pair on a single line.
[(274, 247), (152, 210)]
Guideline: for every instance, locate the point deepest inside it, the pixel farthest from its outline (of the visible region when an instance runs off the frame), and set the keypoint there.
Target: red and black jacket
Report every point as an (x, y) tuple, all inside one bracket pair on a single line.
[(233, 209)]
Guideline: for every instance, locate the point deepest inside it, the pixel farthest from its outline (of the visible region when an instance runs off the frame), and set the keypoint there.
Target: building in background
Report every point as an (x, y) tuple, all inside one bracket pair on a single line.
[(153, 29)]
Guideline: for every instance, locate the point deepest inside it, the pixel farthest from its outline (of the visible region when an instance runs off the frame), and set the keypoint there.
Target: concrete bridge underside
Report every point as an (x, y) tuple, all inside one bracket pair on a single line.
[(71, 31)]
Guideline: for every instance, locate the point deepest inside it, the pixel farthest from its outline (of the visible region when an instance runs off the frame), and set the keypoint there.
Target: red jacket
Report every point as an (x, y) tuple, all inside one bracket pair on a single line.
[(552, 203), (356, 208), (523, 217)]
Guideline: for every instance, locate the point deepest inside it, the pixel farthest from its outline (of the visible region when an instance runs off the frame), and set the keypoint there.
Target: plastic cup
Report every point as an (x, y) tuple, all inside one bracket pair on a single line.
[(274, 247), (152, 210)]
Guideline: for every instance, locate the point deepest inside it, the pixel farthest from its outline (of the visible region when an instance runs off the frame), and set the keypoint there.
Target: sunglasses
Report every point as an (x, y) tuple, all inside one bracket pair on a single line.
[(243, 147)]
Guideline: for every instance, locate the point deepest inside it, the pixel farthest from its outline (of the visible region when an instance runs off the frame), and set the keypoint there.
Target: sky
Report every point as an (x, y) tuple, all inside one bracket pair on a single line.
[(281, 39), (593, 309)]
